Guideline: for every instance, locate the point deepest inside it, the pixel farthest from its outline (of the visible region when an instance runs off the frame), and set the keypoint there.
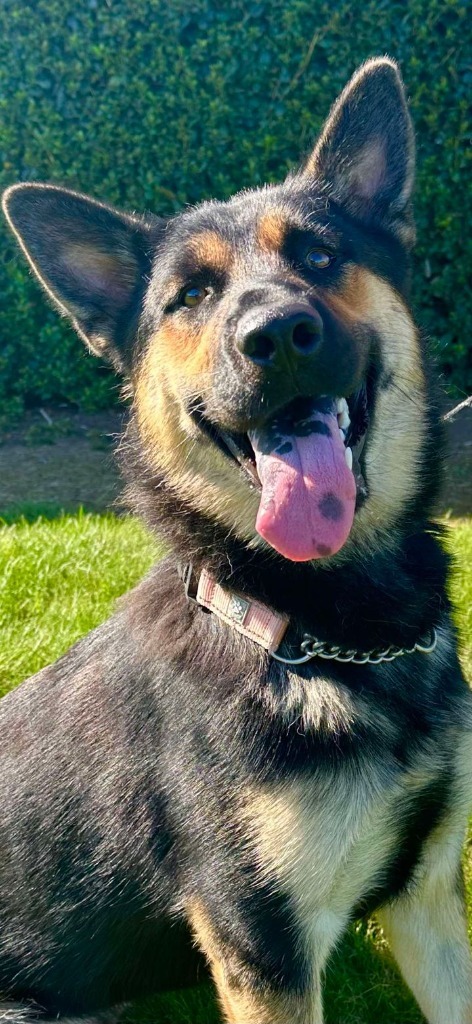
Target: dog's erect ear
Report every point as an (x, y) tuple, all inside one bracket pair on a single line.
[(93, 261), (365, 155)]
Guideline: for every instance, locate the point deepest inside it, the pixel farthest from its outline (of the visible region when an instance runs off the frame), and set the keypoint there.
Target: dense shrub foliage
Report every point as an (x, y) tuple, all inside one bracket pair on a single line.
[(157, 103)]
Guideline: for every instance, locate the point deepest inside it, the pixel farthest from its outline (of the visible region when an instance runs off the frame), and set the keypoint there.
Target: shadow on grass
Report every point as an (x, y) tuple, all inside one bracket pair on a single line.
[(363, 984), (30, 511)]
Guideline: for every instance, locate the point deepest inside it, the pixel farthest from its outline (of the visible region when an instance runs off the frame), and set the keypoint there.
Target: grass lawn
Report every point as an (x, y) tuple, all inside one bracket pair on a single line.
[(59, 578)]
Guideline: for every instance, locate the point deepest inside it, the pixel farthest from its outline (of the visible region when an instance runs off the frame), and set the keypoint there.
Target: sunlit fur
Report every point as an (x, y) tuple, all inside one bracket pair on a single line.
[(395, 446), (192, 465)]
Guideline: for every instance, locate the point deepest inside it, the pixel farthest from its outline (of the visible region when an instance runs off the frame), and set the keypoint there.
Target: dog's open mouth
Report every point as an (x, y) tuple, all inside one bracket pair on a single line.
[(306, 462)]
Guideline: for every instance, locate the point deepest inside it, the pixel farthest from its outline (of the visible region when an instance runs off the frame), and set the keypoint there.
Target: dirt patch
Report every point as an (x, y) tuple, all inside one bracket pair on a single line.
[(66, 463), (62, 460)]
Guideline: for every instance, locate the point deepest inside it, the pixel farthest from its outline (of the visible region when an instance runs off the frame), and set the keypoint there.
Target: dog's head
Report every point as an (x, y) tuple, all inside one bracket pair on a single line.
[(277, 375)]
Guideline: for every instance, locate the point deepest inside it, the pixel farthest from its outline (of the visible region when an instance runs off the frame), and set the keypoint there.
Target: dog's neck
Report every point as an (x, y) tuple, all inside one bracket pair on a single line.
[(385, 598)]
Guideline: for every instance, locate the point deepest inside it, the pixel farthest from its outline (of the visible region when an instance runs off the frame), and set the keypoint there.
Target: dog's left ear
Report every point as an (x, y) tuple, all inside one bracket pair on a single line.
[(365, 156), (93, 261)]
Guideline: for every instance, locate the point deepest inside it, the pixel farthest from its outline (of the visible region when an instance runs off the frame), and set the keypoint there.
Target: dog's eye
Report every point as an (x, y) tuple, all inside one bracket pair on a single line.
[(319, 259), (194, 296)]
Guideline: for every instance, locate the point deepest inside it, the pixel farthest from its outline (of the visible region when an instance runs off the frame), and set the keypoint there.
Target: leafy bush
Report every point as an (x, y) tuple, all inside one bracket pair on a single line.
[(154, 104)]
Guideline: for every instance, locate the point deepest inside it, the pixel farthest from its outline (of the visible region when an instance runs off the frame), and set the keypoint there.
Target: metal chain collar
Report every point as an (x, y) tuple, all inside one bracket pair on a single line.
[(313, 648)]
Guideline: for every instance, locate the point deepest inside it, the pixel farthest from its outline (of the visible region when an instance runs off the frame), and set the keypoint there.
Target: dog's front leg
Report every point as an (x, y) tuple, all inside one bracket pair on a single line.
[(249, 995), (244, 1002), (427, 932)]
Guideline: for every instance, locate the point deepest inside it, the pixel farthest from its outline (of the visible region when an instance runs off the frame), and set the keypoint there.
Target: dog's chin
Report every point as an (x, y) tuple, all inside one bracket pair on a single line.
[(248, 453)]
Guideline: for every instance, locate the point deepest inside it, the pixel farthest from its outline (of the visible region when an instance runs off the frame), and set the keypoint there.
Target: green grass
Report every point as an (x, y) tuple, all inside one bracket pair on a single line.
[(459, 542), (60, 577)]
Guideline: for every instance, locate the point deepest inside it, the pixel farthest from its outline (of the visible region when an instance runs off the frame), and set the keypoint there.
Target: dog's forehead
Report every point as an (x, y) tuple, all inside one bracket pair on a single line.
[(240, 215), (213, 233)]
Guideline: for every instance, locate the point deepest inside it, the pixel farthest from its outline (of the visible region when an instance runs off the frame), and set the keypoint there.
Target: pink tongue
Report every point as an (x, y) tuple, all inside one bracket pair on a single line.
[(308, 492)]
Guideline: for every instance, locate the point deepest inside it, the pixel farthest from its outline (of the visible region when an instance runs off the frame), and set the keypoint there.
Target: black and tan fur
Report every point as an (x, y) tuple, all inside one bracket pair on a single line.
[(167, 784)]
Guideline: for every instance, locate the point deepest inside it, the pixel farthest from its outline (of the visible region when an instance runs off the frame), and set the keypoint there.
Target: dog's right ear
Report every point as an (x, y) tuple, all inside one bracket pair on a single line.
[(93, 261), (365, 156)]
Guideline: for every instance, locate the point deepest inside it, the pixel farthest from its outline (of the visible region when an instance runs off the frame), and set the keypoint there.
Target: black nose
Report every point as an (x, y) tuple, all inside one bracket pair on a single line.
[(290, 335)]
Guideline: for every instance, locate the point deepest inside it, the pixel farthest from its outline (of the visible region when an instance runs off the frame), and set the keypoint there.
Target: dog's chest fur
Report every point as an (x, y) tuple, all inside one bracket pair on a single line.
[(339, 843)]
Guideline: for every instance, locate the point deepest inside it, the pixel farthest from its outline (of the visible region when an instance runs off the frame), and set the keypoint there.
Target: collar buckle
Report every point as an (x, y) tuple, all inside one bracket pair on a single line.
[(189, 580)]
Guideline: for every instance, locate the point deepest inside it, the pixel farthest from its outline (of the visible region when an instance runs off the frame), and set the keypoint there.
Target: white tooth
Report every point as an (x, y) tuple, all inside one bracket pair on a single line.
[(348, 457), (343, 419), (341, 405), (342, 435)]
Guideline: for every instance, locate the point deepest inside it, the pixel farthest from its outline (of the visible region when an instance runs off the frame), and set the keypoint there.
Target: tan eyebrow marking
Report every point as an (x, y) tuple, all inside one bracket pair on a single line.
[(210, 249), (272, 230)]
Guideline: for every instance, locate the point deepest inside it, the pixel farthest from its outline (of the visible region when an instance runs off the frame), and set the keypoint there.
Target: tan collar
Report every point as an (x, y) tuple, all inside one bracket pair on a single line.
[(251, 618)]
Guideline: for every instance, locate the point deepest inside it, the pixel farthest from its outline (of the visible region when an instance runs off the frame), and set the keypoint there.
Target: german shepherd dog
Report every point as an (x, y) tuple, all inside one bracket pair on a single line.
[(272, 734)]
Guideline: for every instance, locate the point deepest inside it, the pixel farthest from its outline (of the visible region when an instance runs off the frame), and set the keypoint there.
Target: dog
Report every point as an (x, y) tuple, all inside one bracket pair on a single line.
[(271, 736)]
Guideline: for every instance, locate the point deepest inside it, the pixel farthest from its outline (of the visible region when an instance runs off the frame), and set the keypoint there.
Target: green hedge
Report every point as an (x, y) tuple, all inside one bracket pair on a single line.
[(157, 103)]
